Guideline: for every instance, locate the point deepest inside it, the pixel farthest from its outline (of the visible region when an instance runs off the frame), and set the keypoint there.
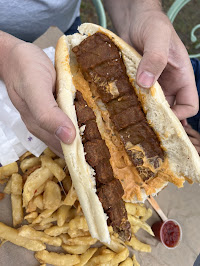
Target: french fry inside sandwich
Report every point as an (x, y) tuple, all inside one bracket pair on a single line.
[(129, 144)]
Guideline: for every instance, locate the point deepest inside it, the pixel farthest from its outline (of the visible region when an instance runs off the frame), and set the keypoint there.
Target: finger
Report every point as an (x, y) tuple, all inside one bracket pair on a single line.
[(194, 141), (187, 103), (193, 133), (155, 56), (198, 149), (46, 112), (185, 123)]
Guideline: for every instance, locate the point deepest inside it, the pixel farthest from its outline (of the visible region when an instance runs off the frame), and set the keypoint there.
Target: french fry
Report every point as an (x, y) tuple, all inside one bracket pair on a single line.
[(43, 215), (79, 222), (82, 240), (147, 215), (75, 250), (116, 244), (49, 153), (56, 259), (17, 210), (64, 238), (28, 163), (39, 227), (136, 221), (33, 182), (31, 206), (26, 154), (128, 262), (84, 258), (29, 171), (40, 190), (61, 162), (11, 234), (62, 214), (16, 184), (38, 201), (7, 188), (77, 233), (67, 182), (101, 259), (55, 169), (49, 219), (57, 230), (71, 197), (8, 170), (51, 196), (31, 233), (16, 199), (135, 262), (137, 245), (31, 216), (135, 209), (120, 257)]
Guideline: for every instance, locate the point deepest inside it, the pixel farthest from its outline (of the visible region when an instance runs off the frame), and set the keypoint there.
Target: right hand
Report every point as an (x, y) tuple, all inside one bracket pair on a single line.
[(30, 79)]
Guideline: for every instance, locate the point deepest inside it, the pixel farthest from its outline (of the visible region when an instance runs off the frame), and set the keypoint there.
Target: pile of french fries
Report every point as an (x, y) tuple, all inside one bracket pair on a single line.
[(46, 211)]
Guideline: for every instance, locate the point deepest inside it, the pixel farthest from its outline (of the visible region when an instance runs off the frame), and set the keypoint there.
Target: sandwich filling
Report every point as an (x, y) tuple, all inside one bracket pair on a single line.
[(109, 189), (137, 158)]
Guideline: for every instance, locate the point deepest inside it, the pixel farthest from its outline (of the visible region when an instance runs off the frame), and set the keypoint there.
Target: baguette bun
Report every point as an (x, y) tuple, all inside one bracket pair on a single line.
[(181, 158)]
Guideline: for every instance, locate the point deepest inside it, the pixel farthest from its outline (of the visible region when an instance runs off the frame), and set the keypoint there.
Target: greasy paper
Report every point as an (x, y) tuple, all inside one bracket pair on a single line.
[(179, 204)]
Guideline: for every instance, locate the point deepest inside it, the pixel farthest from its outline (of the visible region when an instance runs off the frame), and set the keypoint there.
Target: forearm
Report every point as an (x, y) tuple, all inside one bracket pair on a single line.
[(122, 12), (7, 43)]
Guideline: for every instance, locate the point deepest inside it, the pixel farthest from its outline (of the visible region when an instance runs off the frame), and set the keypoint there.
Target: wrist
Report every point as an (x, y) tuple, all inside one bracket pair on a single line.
[(7, 44)]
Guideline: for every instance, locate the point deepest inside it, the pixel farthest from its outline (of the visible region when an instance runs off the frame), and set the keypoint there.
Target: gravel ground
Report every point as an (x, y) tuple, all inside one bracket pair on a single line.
[(187, 18)]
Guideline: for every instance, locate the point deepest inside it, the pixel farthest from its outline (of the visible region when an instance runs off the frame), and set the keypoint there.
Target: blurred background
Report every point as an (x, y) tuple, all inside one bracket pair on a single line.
[(185, 21)]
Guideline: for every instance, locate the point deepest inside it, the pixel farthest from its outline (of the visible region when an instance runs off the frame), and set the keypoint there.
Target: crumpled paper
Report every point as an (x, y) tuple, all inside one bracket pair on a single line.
[(15, 139)]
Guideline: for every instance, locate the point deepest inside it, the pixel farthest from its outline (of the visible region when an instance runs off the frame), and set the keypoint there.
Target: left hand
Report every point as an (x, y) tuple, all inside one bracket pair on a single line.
[(194, 136)]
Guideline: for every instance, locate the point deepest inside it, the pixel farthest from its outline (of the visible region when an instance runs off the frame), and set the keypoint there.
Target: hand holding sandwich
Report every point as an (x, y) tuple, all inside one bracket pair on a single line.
[(30, 77), (144, 26)]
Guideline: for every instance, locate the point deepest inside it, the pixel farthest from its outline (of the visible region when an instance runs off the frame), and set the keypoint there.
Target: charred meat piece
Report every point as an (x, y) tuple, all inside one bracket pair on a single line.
[(120, 104), (84, 113), (104, 172), (131, 115), (110, 193), (131, 134), (110, 70), (119, 221), (96, 150), (91, 131), (152, 148), (95, 50)]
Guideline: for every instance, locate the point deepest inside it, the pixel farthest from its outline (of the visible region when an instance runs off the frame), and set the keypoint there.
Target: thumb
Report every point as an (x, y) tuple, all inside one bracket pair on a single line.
[(155, 57)]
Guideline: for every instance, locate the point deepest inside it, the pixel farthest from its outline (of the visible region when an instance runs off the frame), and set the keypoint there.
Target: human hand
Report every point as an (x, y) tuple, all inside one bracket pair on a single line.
[(194, 136), (30, 78), (164, 59)]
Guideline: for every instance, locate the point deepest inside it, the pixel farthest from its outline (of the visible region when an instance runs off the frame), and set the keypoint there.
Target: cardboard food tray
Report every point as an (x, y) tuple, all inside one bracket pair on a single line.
[(181, 204)]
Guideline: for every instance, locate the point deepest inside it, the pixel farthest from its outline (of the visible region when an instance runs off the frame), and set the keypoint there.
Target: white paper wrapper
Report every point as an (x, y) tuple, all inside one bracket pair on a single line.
[(15, 139)]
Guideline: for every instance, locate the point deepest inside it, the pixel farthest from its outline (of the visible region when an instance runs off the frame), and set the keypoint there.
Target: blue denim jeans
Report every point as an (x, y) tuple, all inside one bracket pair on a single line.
[(195, 120)]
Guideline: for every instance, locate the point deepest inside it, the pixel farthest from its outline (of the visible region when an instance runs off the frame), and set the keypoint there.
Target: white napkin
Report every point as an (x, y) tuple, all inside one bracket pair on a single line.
[(15, 139)]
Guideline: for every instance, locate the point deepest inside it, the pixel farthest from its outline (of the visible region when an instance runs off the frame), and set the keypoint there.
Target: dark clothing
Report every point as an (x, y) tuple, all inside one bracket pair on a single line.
[(195, 120), (74, 27)]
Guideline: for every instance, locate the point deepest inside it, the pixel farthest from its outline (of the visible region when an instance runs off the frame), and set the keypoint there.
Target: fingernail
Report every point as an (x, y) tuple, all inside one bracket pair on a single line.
[(146, 79), (64, 134)]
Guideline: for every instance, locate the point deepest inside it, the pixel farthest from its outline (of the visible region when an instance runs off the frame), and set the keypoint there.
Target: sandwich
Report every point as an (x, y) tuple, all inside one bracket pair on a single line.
[(129, 144)]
